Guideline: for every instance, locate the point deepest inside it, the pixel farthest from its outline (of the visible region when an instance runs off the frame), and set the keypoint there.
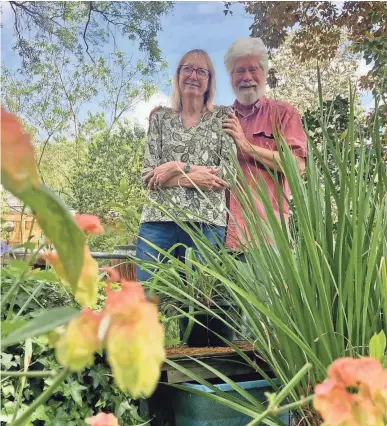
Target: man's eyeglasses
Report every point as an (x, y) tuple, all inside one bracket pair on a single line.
[(251, 70), (201, 73)]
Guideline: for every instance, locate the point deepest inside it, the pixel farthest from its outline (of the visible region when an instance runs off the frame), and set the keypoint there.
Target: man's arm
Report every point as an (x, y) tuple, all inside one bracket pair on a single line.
[(265, 156), (271, 158)]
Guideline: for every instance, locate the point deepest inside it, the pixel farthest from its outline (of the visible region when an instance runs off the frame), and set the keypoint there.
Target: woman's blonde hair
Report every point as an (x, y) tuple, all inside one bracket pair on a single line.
[(209, 96)]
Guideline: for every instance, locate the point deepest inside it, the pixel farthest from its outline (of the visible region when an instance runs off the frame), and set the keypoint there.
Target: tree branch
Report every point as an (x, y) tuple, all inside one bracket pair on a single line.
[(85, 31), (33, 14), (16, 20)]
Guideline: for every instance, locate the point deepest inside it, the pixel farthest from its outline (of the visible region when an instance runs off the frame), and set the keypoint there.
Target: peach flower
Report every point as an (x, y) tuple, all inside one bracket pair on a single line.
[(89, 223)]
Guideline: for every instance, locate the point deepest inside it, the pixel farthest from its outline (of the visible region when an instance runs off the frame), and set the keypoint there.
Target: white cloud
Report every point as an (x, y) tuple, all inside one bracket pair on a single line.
[(140, 113)]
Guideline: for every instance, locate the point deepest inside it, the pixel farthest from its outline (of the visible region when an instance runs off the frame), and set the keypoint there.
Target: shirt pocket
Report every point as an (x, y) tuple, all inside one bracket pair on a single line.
[(264, 139)]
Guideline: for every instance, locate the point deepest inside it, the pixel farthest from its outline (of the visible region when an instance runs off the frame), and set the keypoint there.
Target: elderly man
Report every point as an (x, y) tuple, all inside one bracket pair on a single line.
[(251, 126)]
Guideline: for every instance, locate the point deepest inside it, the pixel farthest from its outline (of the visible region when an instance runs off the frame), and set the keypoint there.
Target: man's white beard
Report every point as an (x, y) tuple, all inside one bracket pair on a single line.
[(250, 96)]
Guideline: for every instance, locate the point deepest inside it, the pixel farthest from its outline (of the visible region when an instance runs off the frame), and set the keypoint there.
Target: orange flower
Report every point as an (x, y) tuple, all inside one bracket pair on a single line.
[(52, 259), (358, 372), (75, 348), (135, 340), (355, 393), (102, 419), (85, 291), (113, 275), (18, 166), (89, 223), (123, 305), (132, 333)]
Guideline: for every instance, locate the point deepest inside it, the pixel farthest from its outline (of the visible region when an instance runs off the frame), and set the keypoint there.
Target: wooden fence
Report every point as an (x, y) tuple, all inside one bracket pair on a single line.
[(22, 229)]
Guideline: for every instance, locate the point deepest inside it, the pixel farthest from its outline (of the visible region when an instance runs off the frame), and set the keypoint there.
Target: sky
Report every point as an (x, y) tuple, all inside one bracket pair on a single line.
[(190, 25)]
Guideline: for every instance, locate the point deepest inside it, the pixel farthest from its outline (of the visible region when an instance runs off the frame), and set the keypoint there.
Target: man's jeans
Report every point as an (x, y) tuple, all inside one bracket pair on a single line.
[(165, 235)]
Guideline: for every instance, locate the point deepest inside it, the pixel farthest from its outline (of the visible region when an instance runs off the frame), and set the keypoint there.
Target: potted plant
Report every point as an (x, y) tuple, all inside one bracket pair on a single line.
[(203, 303)]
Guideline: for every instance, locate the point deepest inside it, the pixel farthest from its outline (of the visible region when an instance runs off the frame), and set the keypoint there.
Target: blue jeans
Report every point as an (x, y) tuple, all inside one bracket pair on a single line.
[(165, 235)]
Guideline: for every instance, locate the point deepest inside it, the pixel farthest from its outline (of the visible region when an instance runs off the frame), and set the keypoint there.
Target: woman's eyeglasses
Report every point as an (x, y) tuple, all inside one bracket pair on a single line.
[(201, 73)]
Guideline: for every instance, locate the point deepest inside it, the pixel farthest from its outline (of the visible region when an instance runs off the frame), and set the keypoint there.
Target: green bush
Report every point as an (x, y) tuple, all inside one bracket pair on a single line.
[(80, 395), (105, 242)]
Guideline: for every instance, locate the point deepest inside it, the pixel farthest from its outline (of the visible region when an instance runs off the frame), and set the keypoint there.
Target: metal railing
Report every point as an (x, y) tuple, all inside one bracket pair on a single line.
[(96, 254)]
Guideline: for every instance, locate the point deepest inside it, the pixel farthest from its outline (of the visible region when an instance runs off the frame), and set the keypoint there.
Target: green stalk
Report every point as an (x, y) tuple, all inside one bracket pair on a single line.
[(10, 292), (14, 288), (4, 374), (41, 399), (32, 296), (278, 398), (279, 410)]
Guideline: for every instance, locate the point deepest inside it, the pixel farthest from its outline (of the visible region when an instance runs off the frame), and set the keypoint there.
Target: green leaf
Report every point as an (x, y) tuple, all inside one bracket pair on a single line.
[(6, 360), (10, 326), (40, 414), (76, 392), (378, 346), (49, 276), (8, 390), (59, 227), (19, 265), (29, 246), (98, 373), (42, 324), (375, 18)]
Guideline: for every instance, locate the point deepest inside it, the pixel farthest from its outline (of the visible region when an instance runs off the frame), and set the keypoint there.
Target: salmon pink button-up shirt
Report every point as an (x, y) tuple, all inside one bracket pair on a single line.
[(258, 126)]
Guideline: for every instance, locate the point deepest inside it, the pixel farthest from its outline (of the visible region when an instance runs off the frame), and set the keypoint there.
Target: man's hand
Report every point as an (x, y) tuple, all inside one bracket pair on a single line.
[(232, 126), (161, 174), (204, 179)]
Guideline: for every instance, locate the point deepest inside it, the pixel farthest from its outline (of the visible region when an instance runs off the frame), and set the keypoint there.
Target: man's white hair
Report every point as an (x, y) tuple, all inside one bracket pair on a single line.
[(246, 47)]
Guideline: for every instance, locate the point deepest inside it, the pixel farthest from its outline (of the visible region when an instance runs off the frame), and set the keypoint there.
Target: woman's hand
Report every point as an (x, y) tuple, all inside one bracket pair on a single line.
[(204, 179), (232, 126), (161, 174)]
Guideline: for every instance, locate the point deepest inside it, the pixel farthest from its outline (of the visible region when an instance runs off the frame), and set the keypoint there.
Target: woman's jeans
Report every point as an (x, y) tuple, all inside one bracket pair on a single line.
[(165, 235)]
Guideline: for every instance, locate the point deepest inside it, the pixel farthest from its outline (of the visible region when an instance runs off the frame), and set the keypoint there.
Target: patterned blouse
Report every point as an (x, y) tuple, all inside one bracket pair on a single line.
[(205, 144)]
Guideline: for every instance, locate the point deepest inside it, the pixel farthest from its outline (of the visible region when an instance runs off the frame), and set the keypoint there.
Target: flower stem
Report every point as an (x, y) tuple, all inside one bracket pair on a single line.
[(20, 421), (28, 374), (273, 408)]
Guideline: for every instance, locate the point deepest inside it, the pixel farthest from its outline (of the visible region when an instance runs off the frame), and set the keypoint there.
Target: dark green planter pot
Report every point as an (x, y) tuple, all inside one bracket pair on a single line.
[(206, 335)]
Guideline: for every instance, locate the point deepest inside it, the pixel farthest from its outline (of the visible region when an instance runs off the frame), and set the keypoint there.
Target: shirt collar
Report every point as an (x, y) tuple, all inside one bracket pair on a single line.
[(241, 109)]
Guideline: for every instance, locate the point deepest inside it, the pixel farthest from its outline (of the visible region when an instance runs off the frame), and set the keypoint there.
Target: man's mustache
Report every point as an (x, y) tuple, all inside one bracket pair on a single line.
[(247, 85)]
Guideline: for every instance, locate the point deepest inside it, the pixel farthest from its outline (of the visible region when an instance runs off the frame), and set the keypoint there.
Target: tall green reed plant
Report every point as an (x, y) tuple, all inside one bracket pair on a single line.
[(312, 291)]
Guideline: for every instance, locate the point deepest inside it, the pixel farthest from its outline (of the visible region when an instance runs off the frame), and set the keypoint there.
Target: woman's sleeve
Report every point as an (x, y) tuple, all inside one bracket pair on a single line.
[(152, 153)]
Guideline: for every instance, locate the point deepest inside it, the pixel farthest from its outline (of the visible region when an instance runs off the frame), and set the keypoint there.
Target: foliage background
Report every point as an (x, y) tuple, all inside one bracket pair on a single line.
[(82, 394)]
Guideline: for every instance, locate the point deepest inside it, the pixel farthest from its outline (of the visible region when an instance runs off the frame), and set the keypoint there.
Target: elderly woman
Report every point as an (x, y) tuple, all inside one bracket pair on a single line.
[(187, 163)]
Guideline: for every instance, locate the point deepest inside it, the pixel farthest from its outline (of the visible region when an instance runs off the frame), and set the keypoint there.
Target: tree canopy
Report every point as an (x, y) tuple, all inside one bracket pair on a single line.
[(296, 82), (317, 26), (86, 27)]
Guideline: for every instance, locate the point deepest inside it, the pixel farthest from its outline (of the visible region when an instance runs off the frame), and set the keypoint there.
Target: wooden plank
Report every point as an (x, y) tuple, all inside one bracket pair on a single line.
[(184, 351)]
